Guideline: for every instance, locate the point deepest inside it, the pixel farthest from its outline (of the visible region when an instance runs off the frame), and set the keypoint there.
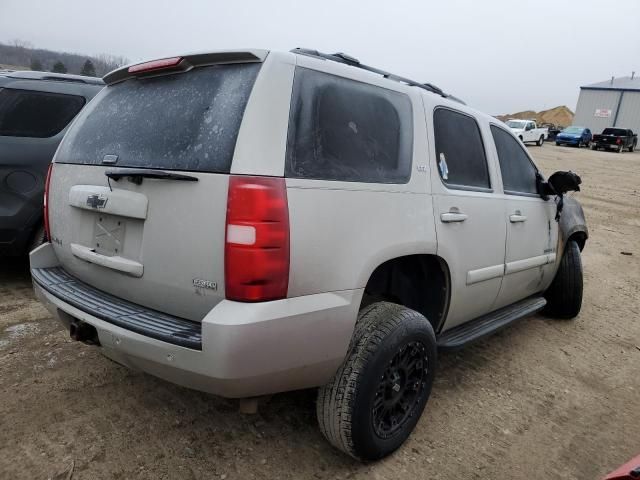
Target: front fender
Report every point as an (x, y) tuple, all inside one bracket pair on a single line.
[(572, 221)]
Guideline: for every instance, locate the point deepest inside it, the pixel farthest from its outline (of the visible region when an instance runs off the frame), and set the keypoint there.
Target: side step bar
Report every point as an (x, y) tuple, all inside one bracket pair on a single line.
[(474, 330)]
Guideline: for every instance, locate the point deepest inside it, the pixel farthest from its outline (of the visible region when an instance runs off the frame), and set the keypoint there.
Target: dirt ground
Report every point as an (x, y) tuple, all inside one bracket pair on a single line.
[(544, 399)]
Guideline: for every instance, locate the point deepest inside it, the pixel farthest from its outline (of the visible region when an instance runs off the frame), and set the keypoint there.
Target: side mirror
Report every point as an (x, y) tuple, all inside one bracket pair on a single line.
[(559, 183)]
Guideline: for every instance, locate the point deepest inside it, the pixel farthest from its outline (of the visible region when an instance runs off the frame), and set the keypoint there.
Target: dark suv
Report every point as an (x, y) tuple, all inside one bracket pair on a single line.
[(35, 110)]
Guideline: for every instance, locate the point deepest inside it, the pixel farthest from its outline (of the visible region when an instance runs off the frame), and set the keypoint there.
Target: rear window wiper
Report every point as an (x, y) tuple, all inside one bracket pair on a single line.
[(135, 175)]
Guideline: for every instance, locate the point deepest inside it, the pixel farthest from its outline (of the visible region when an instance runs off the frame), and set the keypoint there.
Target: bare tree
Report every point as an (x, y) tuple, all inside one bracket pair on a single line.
[(16, 42), (106, 62)]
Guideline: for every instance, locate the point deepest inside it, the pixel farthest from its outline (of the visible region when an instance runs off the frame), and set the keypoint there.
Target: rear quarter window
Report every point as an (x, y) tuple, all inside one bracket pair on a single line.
[(344, 130), (28, 113), (186, 121)]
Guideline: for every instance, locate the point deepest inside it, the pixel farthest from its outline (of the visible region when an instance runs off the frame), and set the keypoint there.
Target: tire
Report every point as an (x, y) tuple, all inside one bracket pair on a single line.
[(564, 295), (594, 147), (632, 147), (557, 144), (540, 141), (356, 409), (38, 239)]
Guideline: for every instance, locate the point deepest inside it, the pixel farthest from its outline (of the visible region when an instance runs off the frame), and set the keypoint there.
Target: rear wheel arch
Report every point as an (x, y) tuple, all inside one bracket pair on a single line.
[(421, 282)]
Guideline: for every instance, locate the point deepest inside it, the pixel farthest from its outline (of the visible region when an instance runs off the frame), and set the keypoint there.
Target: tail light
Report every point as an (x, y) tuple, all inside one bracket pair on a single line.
[(618, 141), (47, 230), (256, 259)]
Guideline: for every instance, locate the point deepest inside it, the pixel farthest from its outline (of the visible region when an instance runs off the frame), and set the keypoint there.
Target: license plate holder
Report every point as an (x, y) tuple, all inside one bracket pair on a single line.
[(109, 234)]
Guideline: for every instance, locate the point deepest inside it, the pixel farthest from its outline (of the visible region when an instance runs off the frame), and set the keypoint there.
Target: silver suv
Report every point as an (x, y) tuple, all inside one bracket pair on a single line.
[(252, 222)]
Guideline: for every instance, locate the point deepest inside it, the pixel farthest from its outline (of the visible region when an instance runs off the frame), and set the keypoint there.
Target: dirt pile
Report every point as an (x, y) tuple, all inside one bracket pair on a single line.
[(558, 116)]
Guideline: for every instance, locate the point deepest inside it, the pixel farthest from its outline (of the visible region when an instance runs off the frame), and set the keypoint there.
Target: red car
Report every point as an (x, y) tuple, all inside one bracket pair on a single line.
[(628, 471)]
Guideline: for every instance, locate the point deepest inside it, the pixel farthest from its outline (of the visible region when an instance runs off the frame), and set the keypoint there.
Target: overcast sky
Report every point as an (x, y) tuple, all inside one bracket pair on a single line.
[(500, 56)]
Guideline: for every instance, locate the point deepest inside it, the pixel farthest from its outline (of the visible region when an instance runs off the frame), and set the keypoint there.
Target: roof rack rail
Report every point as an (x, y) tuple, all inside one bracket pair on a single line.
[(56, 77), (354, 62)]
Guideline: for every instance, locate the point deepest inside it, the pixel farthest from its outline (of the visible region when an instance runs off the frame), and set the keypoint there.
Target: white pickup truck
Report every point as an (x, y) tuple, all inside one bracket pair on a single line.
[(528, 131)]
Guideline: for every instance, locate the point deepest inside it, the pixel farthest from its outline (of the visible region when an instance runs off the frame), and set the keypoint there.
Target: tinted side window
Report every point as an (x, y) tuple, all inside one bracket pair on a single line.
[(518, 173), (459, 150), (25, 113), (340, 129)]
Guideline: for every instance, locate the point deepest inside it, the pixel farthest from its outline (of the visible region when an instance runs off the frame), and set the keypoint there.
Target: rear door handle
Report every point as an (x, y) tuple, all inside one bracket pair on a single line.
[(517, 217), (453, 217)]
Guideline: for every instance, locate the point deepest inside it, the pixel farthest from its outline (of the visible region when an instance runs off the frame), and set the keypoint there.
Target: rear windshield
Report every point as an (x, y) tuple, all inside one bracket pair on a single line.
[(618, 132), (185, 121)]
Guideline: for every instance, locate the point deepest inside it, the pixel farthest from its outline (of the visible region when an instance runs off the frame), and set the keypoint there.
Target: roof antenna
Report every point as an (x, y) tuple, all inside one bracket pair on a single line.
[(612, 79), (633, 74)]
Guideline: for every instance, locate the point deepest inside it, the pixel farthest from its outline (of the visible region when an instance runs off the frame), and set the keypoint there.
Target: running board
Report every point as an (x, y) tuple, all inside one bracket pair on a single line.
[(469, 332)]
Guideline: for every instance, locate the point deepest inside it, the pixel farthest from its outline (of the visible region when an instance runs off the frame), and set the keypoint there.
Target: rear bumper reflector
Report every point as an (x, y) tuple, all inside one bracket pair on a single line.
[(122, 313)]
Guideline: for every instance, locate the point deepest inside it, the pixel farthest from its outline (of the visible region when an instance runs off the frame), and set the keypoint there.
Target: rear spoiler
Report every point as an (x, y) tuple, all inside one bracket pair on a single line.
[(183, 63)]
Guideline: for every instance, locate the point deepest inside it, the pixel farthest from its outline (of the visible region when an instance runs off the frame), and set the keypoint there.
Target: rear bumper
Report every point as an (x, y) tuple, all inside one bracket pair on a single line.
[(247, 349), (608, 146), (15, 243), (17, 230), (20, 213)]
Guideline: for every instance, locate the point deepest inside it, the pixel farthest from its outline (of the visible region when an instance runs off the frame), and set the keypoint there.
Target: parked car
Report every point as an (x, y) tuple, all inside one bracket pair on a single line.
[(252, 222), (615, 139), (35, 110), (528, 131), (552, 130), (575, 136)]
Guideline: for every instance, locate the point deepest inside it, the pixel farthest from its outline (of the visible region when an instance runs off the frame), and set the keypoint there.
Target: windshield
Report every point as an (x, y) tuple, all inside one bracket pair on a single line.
[(187, 121), (618, 132), (573, 130), (516, 124)]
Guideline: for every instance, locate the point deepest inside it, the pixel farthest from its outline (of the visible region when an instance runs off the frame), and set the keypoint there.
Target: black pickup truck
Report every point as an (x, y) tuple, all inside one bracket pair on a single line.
[(615, 139)]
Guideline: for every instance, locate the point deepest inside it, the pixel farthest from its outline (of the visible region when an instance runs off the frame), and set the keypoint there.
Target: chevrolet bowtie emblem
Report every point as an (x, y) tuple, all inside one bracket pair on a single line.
[(96, 201)]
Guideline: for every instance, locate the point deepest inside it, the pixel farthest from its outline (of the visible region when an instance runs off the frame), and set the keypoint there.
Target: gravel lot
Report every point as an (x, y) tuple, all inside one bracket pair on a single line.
[(542, 400)]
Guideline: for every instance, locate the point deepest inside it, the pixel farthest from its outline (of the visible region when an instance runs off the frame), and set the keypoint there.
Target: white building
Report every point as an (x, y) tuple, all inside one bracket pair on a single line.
[(614, 103)]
